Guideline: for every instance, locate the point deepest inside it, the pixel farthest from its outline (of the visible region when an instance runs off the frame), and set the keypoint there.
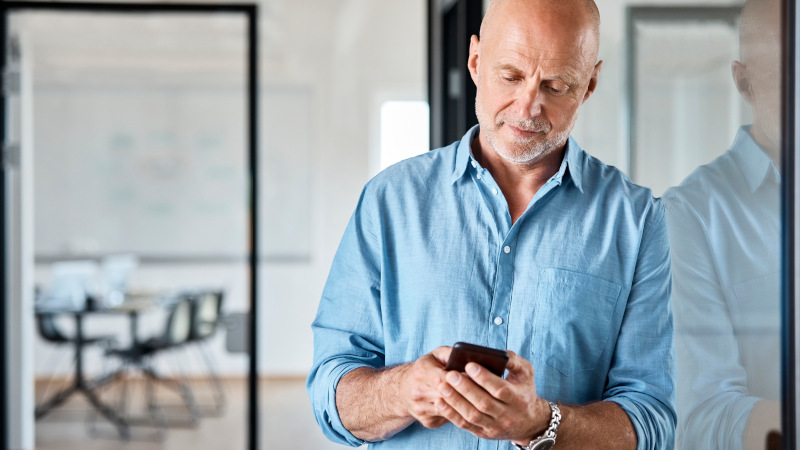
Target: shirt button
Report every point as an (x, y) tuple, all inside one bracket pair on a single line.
[(507, 249), (494, 191), (474, 164), (479, 176), (498, 320)]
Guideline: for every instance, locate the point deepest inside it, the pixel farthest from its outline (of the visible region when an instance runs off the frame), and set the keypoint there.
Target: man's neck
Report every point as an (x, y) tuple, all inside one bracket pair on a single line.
[(518, 182)]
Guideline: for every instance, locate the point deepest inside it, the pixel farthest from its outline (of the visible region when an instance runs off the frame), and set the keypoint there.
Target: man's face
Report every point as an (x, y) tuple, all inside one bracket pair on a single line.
[(531, 80)]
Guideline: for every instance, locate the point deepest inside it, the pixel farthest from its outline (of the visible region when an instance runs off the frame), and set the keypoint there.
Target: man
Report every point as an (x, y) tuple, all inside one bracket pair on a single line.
[(724, 223), (513, 238)]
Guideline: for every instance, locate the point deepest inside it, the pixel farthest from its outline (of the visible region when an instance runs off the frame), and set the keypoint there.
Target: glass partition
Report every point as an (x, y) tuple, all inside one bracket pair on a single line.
[(132, 130), (706, 135)]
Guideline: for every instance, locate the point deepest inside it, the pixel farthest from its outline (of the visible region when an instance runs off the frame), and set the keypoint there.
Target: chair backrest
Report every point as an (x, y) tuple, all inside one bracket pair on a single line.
[(179, 322), (48, 329), (206, 307)]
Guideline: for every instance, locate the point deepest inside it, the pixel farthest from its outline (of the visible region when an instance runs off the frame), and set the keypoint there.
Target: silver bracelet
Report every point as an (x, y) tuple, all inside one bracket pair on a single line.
[(547, 440)]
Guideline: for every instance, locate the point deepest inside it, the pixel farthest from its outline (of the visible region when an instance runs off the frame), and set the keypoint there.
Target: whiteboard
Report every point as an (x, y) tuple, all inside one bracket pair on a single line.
[(162, 171)]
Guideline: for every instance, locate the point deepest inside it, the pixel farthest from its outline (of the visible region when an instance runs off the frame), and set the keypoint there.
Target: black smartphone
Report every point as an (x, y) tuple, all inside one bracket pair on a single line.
[(491, 358)]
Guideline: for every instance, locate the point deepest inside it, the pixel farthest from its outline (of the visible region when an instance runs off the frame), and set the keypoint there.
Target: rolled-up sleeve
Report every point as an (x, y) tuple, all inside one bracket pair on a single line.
[(347, 328), (642, 375)]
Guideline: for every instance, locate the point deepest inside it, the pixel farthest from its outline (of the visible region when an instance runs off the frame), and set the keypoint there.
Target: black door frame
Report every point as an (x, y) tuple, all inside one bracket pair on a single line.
[(790, 253), (442, 88), (250, 12)]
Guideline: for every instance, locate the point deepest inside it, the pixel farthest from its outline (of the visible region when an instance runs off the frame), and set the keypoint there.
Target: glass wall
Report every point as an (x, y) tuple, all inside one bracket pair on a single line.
[(131, 131), (706, 135)]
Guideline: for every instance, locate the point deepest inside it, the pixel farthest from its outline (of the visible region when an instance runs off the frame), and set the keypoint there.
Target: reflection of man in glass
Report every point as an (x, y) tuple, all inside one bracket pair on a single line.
[(724, 222)]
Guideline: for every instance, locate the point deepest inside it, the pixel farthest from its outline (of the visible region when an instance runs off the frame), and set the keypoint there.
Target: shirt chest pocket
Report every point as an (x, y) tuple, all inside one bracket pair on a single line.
[(573, 319)]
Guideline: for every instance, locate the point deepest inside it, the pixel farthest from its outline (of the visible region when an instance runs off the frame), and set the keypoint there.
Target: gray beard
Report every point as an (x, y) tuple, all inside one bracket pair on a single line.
[(532, 151)]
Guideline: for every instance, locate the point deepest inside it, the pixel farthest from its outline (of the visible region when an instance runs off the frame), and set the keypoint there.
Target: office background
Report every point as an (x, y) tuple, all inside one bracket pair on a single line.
[(145, 153)]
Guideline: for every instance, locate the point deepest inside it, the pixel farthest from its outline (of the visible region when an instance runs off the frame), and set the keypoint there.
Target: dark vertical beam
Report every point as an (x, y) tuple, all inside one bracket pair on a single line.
[(630, 90), (252, 131), (432, 123), (5, 439), (470, 19), (789, 216)]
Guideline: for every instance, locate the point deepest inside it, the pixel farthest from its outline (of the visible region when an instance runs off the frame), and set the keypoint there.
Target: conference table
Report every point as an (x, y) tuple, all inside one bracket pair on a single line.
[(132, 306)]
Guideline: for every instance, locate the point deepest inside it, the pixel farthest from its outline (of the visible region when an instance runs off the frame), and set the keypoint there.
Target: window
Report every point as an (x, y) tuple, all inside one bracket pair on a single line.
[(404, 131)]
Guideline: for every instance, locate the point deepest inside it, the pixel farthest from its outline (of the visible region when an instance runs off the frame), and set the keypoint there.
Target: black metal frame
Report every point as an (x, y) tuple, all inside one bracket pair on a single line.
[(469, 14), (250, 11), (789, 213)]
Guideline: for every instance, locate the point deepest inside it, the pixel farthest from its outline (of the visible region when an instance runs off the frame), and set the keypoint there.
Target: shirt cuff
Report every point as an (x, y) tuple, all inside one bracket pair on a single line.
[(328, 419), (655, 429)]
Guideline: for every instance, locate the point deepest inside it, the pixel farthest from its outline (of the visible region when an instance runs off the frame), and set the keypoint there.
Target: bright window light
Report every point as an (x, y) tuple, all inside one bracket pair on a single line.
[(404, 131)]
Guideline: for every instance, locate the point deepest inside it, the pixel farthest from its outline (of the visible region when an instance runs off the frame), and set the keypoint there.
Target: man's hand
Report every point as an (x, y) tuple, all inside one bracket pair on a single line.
[(375, 404), (493, 408), (419, 387)]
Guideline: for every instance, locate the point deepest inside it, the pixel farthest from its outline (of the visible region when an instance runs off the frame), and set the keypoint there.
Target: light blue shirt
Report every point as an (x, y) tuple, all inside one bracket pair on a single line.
[(724, 224), (579, 286)]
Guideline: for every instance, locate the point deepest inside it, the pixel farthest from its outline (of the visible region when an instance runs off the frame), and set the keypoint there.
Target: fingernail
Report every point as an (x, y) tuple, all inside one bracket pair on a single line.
[(445, 390), (473, 369), (454, 378)]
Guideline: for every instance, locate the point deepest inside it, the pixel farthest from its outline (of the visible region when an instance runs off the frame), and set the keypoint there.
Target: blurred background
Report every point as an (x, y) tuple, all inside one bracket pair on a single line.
[(128, 194)]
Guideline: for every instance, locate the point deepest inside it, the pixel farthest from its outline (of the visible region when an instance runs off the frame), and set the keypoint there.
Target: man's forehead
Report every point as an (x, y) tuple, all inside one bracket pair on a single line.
[(527, 38), (521, 50)]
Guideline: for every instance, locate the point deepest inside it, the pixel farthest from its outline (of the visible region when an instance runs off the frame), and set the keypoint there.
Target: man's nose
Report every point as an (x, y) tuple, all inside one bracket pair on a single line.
[(529, 102)]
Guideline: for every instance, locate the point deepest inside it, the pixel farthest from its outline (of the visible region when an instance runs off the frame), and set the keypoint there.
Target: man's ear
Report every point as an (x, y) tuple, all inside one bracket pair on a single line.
[(472, 62), (593, 81), (741, 80)]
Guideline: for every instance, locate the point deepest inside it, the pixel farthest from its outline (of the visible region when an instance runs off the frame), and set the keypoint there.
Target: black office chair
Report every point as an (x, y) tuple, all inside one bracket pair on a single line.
[(50, 332), (206, 307), (140, 355)]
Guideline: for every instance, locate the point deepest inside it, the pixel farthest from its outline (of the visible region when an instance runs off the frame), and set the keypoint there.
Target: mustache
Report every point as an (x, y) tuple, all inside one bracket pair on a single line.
[(532, 125)]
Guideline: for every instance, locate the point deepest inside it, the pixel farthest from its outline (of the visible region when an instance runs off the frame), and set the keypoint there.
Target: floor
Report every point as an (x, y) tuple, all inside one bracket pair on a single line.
[(285, 417)]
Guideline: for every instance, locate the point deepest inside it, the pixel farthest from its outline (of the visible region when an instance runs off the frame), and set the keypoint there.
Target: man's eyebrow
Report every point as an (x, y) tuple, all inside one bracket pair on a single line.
[(506, 68), (564, 77)]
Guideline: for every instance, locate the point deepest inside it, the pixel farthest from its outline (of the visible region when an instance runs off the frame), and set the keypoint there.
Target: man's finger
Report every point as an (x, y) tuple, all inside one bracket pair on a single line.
[(518, 365), (442, 354), (469, 399), (491, 383), (453, 416)]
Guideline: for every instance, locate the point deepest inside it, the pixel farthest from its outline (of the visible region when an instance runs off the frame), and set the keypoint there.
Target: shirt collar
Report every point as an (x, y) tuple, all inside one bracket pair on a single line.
[(464, 153), (752, 161), (571, 163)]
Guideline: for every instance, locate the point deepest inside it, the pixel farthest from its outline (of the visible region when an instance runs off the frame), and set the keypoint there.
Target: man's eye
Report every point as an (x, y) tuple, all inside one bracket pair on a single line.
[(557, 89), (510, 79)]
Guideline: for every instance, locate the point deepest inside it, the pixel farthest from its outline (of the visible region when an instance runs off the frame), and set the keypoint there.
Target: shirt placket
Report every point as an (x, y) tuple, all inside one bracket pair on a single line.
[(502, 245), (504, 241)]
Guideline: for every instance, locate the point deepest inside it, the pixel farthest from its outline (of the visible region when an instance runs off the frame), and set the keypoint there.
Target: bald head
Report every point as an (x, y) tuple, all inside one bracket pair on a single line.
[(578, 15)]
